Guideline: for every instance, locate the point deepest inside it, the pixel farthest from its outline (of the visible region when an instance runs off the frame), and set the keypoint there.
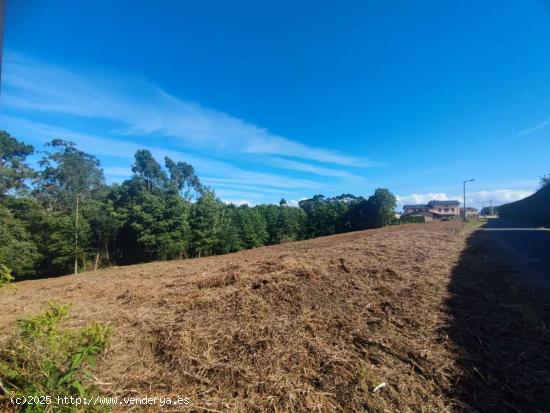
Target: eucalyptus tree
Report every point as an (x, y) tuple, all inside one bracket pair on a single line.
[(14, 172), (71, 183), (183, 176), (148, 170)]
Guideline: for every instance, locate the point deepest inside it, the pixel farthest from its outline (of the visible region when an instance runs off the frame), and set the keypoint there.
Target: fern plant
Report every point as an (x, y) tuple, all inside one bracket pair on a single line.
[(43, 358)]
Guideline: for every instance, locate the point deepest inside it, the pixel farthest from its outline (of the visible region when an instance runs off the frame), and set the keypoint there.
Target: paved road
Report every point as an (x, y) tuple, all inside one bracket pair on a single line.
[(531, 242)]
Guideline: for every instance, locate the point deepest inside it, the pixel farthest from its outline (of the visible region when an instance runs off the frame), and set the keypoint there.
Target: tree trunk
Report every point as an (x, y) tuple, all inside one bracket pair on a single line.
[(107, 256), (96, 260)]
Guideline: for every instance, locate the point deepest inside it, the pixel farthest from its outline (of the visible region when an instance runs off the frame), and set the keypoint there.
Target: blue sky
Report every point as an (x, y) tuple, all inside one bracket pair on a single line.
[(289, 99)]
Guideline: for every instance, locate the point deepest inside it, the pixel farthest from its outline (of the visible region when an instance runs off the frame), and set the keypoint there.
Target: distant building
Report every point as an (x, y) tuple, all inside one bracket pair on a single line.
[(410, 209), (433, 210), (470, 212)]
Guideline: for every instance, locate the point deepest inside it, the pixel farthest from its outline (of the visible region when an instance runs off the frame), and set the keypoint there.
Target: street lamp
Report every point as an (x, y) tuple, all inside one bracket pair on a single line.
[(464, 193)]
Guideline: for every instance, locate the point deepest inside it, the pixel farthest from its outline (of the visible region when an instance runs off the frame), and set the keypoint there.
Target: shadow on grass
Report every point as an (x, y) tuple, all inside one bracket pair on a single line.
[(500, 331)]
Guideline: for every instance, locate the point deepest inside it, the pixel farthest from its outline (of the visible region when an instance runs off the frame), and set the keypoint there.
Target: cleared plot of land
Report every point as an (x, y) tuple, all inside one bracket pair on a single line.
[(432, 310)]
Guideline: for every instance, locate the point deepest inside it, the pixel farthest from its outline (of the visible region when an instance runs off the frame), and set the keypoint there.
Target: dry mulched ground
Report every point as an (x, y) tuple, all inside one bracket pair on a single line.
[(435, 311)]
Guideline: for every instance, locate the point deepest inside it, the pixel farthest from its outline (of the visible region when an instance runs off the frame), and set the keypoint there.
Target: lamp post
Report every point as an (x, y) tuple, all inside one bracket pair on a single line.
[(464, 194)]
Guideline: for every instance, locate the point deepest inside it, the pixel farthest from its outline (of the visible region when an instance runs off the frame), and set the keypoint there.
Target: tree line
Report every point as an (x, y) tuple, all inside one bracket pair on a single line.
[(62, 217)]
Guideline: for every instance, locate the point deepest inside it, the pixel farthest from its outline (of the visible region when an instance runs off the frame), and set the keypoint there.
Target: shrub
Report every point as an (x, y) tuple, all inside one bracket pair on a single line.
[(42, 358), (5, 275)]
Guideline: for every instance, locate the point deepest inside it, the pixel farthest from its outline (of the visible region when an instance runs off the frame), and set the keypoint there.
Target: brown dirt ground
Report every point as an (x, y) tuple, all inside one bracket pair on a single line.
[(307, 326)]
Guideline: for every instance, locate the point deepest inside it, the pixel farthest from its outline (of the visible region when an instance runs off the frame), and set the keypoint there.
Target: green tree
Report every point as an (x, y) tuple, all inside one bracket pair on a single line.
[(68, 183), (323, 215), (18, 253), (229, 239), (31, 215), (544, 180), (375, 212), (104, 227), (290, 224), (205, 222), (67, 173), (160, 221), (252, 227), (153, 218), (358, 216), (183, 176), (383, 204), (124, 246), (270, 214), (283, 222), (13, 171), (148, 170), (61, 250)]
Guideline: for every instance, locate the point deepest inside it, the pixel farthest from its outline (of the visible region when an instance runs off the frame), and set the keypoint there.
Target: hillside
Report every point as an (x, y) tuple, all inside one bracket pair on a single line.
[(532, 209), (315, 325)]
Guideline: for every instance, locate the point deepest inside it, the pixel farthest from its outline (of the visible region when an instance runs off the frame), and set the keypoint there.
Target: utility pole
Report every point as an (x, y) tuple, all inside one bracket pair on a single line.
[(76, 238), (464, 194)]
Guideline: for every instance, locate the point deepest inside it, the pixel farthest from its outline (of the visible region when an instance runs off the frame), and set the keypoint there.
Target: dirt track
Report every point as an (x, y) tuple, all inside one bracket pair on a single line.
[(308, 326)]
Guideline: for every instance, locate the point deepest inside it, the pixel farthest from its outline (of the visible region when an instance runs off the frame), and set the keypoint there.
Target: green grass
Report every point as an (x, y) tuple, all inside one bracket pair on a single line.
[(475, 222)]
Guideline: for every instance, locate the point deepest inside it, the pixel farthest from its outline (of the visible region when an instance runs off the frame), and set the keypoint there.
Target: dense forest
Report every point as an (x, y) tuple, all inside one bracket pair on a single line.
[(62, 217)]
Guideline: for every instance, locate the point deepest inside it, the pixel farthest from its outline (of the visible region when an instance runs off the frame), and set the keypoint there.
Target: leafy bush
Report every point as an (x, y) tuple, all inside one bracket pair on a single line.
[(42, 358), (5, 275)]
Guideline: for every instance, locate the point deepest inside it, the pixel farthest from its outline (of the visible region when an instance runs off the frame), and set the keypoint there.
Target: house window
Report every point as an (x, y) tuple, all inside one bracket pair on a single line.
[(452, 209), (446, 209), (439, 209)]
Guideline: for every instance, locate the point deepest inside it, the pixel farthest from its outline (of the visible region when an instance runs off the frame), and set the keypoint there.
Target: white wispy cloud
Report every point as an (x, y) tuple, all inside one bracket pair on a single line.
[(498, 196), (421, 198), (284, 163), (540, 126), (213, 172), (142, 108), (251, 187), (262, 180)]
